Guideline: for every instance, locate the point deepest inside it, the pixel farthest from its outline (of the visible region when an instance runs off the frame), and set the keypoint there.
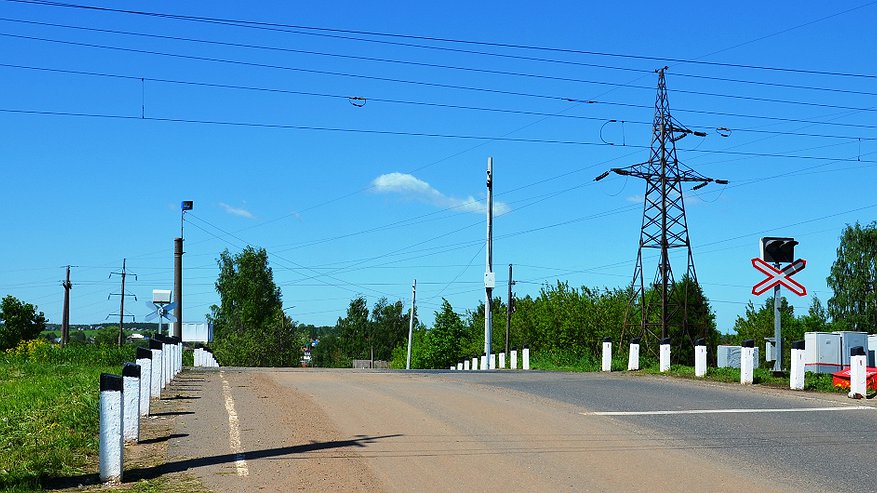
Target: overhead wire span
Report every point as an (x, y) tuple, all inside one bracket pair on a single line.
[(298, 27)]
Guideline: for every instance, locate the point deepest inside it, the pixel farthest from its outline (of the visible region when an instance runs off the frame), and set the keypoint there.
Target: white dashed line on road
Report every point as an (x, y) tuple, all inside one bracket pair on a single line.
[(234, 431)]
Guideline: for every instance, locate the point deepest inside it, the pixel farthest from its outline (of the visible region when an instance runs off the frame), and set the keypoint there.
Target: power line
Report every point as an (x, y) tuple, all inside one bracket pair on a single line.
[(387, 60), (315, 29), (403, 133), (421, 103)]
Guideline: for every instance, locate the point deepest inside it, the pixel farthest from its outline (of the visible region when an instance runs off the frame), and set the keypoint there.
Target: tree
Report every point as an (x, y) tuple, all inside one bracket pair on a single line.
[(853, 278), (354, 330), (250, 327), (389, 328), (19, 321), (444, 341)]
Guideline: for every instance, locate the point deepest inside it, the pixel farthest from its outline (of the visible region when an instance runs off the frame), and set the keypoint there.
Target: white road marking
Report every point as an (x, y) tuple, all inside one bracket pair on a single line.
[(234, 430), (726, 411)]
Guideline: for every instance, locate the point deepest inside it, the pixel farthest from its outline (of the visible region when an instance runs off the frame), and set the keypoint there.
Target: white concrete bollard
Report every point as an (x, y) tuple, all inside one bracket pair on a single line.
[(466, 365), (796, 378), (131, 398), (607, 354), (700, 358), (144, 361), (492, 361), (858, 372), (483, 361), (475, 363), (502, 361), (111, 447), (525, 358), (633, 355), (513, 357), (747, 361), (156, 376), (452, 367), (664, 355), (460, 365)]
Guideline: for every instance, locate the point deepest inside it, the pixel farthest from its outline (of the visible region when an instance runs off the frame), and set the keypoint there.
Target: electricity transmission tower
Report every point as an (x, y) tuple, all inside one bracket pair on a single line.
[(664, 225)]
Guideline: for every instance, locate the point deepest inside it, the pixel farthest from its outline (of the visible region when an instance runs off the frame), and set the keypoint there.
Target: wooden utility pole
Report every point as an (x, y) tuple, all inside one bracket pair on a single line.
[(411, 322), (65, 314)]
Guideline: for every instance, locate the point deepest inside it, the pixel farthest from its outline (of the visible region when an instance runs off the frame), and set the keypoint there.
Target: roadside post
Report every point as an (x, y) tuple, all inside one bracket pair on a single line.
[(466, 365), (747, 360), (144, 361), (483, 361), (665, 354), (502, 361), (633, 355), (110, 447), (607, 354), (157, 367), (700, 358), (858, 373), (525, 358), (796, 379), (513, 364), (131, 397), (475, 362), (492, 364)]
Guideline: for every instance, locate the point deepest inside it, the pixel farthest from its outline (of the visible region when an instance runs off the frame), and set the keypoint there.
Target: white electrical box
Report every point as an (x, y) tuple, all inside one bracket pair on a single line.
[(770, 349), (162, 296), (822, 352), (490, 280), (729, 357)]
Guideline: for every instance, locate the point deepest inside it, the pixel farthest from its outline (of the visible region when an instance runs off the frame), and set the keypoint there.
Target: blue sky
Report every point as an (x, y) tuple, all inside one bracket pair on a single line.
[(110, 119)]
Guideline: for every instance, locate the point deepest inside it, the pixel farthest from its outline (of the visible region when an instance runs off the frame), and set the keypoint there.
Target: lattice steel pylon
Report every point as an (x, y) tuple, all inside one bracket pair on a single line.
[(664, 225)]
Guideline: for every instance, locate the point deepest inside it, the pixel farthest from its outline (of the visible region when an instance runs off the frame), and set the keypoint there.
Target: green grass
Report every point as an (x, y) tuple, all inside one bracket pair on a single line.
[(49, 411)]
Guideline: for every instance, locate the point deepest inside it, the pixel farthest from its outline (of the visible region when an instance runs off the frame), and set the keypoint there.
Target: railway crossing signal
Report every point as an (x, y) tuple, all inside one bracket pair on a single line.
[(777, 277)]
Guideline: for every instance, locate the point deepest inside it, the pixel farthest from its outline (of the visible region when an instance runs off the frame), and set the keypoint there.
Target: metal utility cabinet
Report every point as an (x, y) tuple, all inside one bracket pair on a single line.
[(729, 357), (822, 352), (872, 350), (848, 340)]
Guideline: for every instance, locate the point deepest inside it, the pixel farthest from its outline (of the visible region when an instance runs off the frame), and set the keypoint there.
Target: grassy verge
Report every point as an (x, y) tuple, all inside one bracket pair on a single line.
[(572, 361), (49, 416)]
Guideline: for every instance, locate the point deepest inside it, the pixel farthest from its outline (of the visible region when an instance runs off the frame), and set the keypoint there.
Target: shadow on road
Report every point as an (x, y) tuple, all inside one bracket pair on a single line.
[(163, 439), (184, 465)]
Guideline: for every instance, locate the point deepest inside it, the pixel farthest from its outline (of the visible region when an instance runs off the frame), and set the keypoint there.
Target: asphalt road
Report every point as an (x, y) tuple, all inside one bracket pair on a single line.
[(814, 450), (355, 430)]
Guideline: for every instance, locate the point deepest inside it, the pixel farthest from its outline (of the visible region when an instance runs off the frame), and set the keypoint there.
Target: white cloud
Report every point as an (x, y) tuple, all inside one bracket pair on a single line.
[(412, 187), (237, 211)]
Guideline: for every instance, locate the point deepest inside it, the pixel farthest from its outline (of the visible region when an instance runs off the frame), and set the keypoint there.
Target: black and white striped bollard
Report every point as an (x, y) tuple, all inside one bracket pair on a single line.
[(607, 354), (796, 377), (144, 361), (858, 372), (111, 447), (633, 355), (131, 405), (665, 354), (747, 361), (700, 358), (157, 367)]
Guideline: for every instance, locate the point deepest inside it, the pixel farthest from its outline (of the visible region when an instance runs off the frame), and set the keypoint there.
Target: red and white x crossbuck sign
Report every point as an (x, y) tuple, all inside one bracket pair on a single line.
[(776, 276)]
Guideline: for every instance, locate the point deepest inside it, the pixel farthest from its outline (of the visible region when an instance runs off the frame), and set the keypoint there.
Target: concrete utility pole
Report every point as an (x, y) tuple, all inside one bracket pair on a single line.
[(489, 276), (411, 322), (509, 310), (65, 314)]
